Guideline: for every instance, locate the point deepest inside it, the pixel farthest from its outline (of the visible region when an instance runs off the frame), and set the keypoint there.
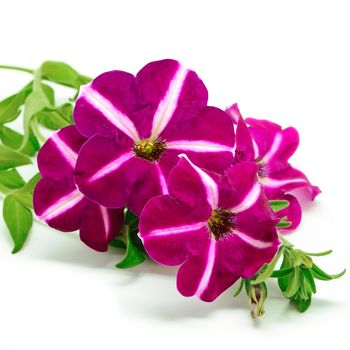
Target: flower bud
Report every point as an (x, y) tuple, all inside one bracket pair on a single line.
[(257, 295)]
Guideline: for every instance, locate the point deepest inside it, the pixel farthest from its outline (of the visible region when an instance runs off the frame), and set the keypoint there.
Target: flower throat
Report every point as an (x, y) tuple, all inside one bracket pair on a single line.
[(150, 149), (221, 223)]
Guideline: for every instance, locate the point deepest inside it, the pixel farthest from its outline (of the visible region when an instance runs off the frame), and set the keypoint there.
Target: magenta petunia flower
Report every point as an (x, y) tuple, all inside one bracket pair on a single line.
[(137, 127), (60, 204), (270, 146), (217, 227)]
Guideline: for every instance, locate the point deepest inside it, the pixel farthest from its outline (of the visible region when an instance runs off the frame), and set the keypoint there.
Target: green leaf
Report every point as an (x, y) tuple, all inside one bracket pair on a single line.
[(281, 273), (35, 102), (304, 290), (10, 107), (309, 278), (131, 219), (10, 158), (286, 264), (49, 93), (25, 198), (118, 243), (278, 205), (321, 275), (18, 219), (239, 289), (30, 185), (62, 73), (133, 256), (302, 305), (268, 268), (293, 284), (327, 252), (58, 118), (13, 139), (11, 179), (247, 285)]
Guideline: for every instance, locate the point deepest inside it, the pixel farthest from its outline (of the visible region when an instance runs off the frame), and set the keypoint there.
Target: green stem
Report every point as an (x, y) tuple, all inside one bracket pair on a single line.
[(284, 241), (21, 69), (37, 80), (36, 130)]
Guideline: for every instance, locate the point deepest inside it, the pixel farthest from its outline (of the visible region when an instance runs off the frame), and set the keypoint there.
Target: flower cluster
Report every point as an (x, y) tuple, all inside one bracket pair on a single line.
[(200, 179)]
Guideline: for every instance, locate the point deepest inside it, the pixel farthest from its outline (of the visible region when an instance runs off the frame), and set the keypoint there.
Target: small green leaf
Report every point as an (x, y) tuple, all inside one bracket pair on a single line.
[(309, 278), (239, 289), (304, 290), (293, 284), (327, 252), (302, 305), (18, 219), (306, 261), (11, 179), (321, 275), (286, 264), (281, 273), (268, 269), (35, 102), (58, 118), (298, 258), (131, 219), (278, 205), (10, 107), (13, 139), (118, 243), (25, 198), (49, 93), (247, 285), (30, 185), (62, 73), (10, 158), (133, 256)]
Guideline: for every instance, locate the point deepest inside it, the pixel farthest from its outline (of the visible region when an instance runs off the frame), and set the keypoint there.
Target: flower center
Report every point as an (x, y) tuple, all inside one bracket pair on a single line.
[(150, 149), (221, 223), (263, 168)]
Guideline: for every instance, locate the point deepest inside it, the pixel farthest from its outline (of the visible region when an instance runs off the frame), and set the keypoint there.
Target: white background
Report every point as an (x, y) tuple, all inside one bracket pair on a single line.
[(283, 60)]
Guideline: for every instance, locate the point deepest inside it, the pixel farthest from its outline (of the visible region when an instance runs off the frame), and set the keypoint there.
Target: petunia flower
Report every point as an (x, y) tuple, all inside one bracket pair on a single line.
[(218, 228), (270, 146), (137, 126), (59, 203)]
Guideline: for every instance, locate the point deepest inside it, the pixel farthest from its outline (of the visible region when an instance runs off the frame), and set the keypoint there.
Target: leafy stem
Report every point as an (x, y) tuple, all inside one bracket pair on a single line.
[(296, 278), (35, 104)]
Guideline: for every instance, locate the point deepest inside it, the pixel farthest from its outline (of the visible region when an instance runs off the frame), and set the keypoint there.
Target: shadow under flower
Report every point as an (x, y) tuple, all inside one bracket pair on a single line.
[(158, 297)]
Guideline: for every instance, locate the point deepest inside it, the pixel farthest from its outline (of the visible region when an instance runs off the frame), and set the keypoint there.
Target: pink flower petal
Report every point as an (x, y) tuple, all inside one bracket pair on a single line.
[(234, 112), (207, 138), (244, 189), (192, 185), (170, 229), (109, 173), (100, 226), (105, 105), (57, 157), (245, 150), (287, 180), (275, 145), (59, 204), (171, 94)]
